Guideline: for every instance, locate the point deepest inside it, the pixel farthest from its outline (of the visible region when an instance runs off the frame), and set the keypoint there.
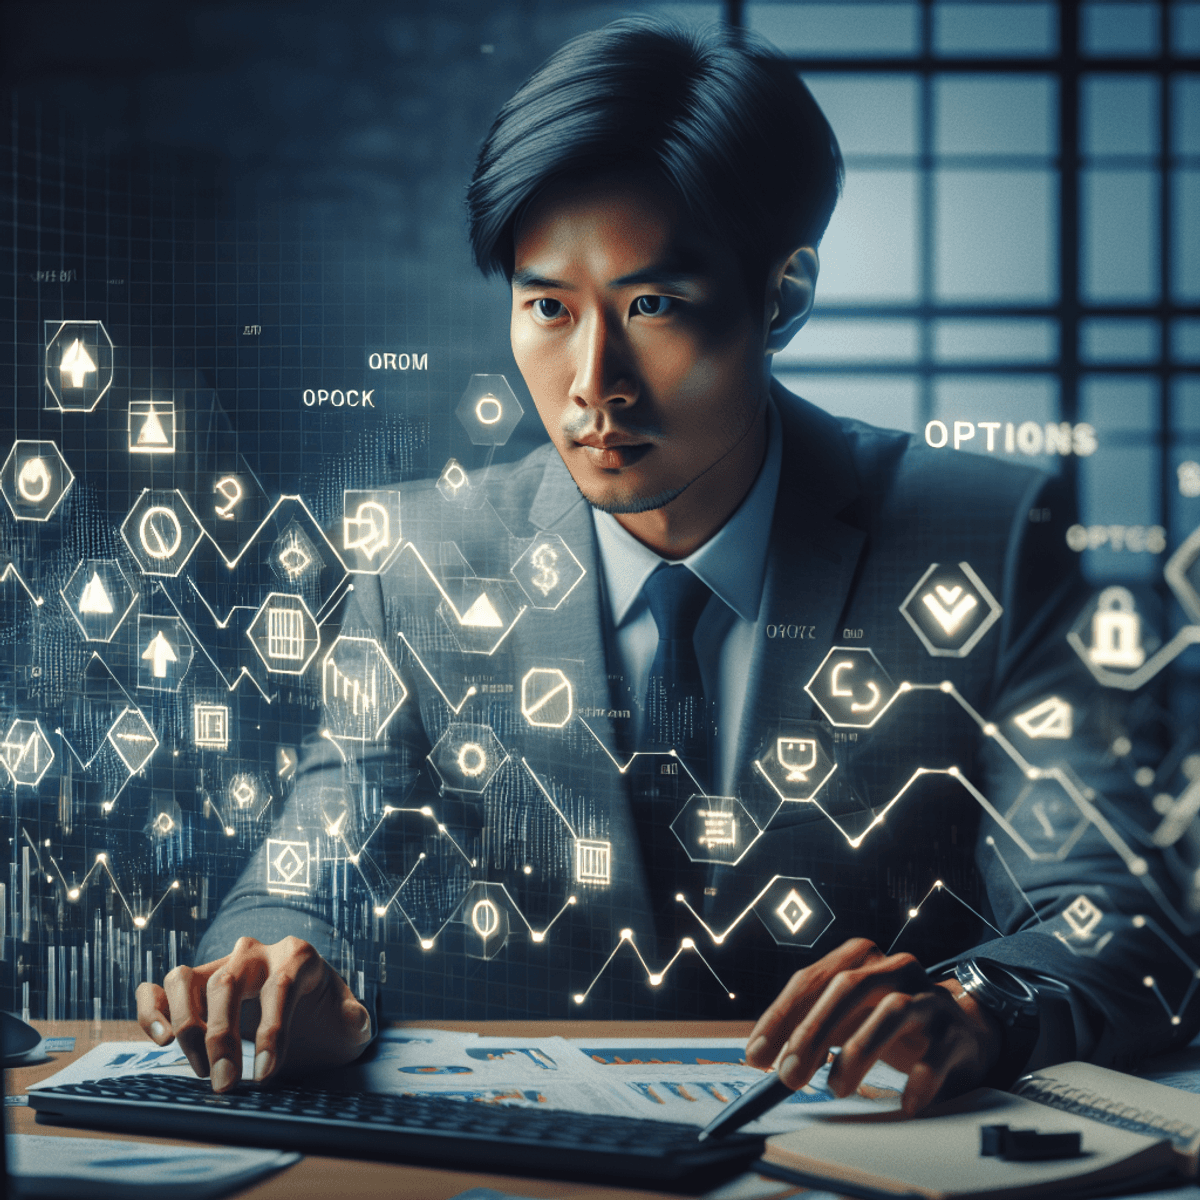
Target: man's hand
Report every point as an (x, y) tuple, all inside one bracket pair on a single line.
[(876, 1008), (286, 997)]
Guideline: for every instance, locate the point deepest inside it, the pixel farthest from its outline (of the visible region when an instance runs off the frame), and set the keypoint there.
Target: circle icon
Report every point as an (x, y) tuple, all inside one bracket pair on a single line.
[(33, 481), (160, 532), (485, 918), (472, 761), (489, 410)]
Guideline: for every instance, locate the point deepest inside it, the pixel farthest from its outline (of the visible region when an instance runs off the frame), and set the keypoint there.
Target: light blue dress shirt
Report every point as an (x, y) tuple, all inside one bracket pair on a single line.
[(733, 562)]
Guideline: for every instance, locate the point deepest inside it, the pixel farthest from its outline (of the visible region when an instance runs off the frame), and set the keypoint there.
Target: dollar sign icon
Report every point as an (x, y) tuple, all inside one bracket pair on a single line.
[(546, 578)]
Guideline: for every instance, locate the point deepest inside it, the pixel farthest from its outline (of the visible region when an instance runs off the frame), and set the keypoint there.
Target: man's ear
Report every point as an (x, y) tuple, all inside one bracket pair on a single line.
[(793, 288)]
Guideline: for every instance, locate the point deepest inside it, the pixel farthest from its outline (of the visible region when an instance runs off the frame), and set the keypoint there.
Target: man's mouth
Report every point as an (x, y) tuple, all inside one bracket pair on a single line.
[(614, 451)]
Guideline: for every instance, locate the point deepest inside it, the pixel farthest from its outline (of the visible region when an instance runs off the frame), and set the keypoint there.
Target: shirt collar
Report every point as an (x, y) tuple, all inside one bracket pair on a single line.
[(732, 562)]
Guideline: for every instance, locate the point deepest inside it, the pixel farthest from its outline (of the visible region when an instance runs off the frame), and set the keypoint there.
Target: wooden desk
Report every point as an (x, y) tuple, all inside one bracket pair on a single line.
[(318, 1178)]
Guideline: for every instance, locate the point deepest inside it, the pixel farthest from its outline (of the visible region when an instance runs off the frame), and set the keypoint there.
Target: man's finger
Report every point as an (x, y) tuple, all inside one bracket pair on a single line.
[(841, 1008), (154, 1013), (184, 989), (227, 987), (802, 991)]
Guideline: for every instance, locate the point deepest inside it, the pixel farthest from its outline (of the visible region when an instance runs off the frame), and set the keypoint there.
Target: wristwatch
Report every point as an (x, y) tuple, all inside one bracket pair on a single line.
[(1013, 1002)]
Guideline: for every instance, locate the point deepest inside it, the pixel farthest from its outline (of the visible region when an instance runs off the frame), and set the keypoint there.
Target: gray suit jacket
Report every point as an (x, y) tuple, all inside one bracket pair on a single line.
[(861, 513)]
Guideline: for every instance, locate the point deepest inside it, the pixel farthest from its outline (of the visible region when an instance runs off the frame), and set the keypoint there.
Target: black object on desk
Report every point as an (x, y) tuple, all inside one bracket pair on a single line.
[(459, 1134), (769, 1091)]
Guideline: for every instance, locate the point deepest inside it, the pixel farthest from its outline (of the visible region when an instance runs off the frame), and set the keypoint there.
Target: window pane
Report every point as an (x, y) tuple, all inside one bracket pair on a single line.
[(870, 249), (1118, 340), (1119, 115), (834, 30), (889, 401), (1185, 405), (994, 114), (848, 339), (1120, 236), (996, 235), (1122, 403), (995, 29), (1008, 399), (1012, 339), (1185, 28), (1185, 342), (1185, 252), (1185, 114), (1119, 30), (870, 114)]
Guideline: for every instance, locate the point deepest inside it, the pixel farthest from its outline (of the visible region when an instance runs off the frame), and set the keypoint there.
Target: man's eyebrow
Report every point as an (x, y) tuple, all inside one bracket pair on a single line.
[(673, 272), (527, 277)]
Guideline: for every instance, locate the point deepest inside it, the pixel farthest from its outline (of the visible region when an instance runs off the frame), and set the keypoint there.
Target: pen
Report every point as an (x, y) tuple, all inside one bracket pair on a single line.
[(769, 1091)]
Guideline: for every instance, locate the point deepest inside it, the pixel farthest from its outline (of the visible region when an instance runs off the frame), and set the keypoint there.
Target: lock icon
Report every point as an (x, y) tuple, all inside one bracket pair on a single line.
[(1116, 631)]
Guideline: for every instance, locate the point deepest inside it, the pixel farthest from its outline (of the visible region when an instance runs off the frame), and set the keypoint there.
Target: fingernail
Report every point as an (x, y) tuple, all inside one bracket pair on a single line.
[(789, 1071), (756, 1048), (157, 1030), (224, 1074), (264, 1061)]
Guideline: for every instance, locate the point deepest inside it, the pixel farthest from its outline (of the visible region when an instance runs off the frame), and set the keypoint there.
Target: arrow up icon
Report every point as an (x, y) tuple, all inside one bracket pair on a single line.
[(159, 654)]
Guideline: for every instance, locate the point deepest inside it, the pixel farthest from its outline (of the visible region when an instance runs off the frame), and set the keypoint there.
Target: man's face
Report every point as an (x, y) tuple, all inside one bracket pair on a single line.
[(636, 339)]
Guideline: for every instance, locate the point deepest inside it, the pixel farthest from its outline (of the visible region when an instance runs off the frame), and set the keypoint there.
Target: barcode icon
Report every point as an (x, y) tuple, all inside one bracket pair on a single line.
[(285, 634)]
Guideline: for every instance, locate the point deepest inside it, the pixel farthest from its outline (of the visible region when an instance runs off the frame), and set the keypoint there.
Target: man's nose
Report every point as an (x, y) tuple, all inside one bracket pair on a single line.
[(604, 373)]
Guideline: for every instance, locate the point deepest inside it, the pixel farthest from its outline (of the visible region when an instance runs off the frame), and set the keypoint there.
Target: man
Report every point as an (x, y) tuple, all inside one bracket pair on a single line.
[(656, 200)]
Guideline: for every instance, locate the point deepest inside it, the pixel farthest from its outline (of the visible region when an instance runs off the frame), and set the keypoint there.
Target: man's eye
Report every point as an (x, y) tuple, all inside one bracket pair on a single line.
[(548, 308), (652, 306)]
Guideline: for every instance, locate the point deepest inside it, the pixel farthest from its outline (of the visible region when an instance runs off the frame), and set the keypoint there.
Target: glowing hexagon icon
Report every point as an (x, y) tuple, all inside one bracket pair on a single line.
[(79, 364), (466, 757), (454, 483), (796, 762), (289, 867), (489, 410), (715, 829), (133, 738), (1114, 642), (99, 596), (950, 609), (285, 634), (547, 572), (546, 698), (161, 532), (792, 910), (851, 687), (361, 689), (485, 911), (26, 753), (34, 479), (1045, 821)]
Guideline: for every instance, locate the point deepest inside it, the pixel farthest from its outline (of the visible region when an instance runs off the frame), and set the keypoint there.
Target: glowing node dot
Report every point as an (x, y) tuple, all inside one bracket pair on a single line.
[(955, 772), (906, 686), (230, 831), (49, 877), (422, 855), (626, 935), (1138, 867), (1032, 773), (441, 829), (720, 941), (427, 943), (946, 686), (354, 858), (578, 998), (46, 843), (679, 897), (989, 730), (175, 753), (688, 944), (527, 869), (732, 996), (474, 861), (655, 980), (912, 912), (1174, 1020), (107, 806), (139, 922), (1139, 922), (380, 911), (538, 937), (175, 884), (1148, 981), (388, 810), (426, 811), (73, 894), (570, 899), (937, 883), (102, 858)]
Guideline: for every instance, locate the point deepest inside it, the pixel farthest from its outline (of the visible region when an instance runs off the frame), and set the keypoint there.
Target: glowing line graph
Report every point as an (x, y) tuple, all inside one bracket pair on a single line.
[(641, 754), (719, 938), (939, 886), (11, 572), (654, 978), (471, 691), (1174, 1015), (335, 831), (437, 583), (549, 798)]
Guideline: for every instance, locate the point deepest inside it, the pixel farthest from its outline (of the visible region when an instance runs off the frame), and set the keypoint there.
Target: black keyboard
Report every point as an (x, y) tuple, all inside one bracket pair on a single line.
[(459, 1134)]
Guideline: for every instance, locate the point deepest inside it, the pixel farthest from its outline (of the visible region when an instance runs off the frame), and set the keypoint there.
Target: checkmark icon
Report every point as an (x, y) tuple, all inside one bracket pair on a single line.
[(949, 607)]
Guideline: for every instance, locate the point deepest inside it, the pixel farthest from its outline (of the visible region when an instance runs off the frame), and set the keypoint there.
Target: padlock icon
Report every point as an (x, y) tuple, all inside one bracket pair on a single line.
[(1116, 631)]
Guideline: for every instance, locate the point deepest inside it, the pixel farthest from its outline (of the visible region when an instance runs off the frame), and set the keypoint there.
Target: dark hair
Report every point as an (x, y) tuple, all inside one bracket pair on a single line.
[(717, 113)]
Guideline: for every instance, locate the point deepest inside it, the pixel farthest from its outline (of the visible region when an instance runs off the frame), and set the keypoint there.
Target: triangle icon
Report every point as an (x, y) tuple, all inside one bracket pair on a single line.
[(482, 614), (95, 599), (1050, 719), (152, 432)]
